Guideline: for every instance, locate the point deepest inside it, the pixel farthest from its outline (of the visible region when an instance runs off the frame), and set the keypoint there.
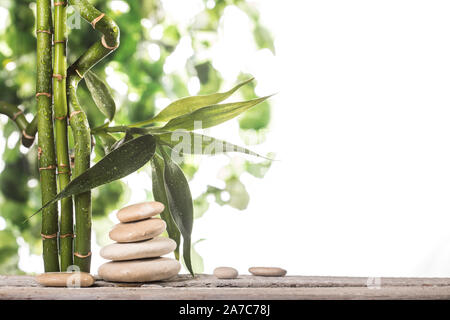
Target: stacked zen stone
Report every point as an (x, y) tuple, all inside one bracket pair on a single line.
[(136, 255)]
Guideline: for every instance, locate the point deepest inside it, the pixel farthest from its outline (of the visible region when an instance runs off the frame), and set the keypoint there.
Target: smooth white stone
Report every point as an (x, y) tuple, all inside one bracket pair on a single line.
[(137, 231), (225, 273), (140, 211), (267, 271), (65, 279), (152, 248), (139, 270)]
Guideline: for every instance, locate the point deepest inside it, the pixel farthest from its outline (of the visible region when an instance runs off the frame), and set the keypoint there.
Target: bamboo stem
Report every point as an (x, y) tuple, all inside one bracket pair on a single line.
[(110, 129), (80, 125), (82, 139), (46, 152), (62, 149), (15, 114), (145, 130), (29, 133)]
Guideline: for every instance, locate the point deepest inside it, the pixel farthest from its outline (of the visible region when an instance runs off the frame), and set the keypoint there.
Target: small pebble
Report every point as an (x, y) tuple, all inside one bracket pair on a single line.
[(267, 271), (137, 231), (65, 279), (225, 273), (140, 211)]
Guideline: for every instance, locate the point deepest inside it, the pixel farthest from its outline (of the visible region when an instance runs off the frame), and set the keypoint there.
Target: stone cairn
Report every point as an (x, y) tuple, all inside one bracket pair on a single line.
[(136, 255)]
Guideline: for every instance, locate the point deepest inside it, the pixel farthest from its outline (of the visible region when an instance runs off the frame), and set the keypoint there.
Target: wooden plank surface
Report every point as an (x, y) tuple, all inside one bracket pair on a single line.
[(245, 287)]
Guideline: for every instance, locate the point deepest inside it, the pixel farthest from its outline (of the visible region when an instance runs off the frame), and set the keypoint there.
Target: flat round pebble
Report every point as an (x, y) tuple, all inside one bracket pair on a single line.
[(152, 248), (140, 211), (137, 231), (225, 273), (267, 271), (65, 279), (145, 270)]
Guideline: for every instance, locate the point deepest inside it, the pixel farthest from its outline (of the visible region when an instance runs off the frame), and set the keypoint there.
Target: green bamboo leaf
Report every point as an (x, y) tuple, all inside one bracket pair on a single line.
[(101, 94), (211, 115), (115, 165), (190, 104), (159, 193), (194, 143), (180, 203)]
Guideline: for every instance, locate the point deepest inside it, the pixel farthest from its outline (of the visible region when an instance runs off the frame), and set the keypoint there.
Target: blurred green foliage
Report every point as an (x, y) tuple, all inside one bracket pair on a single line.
[(142, 81)]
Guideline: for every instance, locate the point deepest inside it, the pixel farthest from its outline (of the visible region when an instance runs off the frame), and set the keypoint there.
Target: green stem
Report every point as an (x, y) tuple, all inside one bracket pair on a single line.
[(126, 129), (46, 151), (142, 123), (30, 132), (16, 115), (82, 139), (80, 125), (62, 148), (110, 129)]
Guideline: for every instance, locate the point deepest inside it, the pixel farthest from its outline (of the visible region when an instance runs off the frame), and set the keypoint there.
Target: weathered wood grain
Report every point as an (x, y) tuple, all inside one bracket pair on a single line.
[(245, 287)]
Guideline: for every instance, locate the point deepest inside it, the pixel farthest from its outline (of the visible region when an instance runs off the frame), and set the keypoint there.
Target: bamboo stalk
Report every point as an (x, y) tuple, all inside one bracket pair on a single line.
[(62, 149), (83, 210), (46, 151), (15, 114), (80, 125)]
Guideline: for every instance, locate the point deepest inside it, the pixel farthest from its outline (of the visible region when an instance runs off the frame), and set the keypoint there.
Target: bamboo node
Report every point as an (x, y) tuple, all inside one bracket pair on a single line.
[(49, 95), (78, 73), (59, 76), (61, 118), (106, 45), (94, 22), (27, 135), (62, 3), (59, 41), (79, 255), (50, 167), (15, 115), (74, 113), (49, 236), (67, 235), (44, 31)]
